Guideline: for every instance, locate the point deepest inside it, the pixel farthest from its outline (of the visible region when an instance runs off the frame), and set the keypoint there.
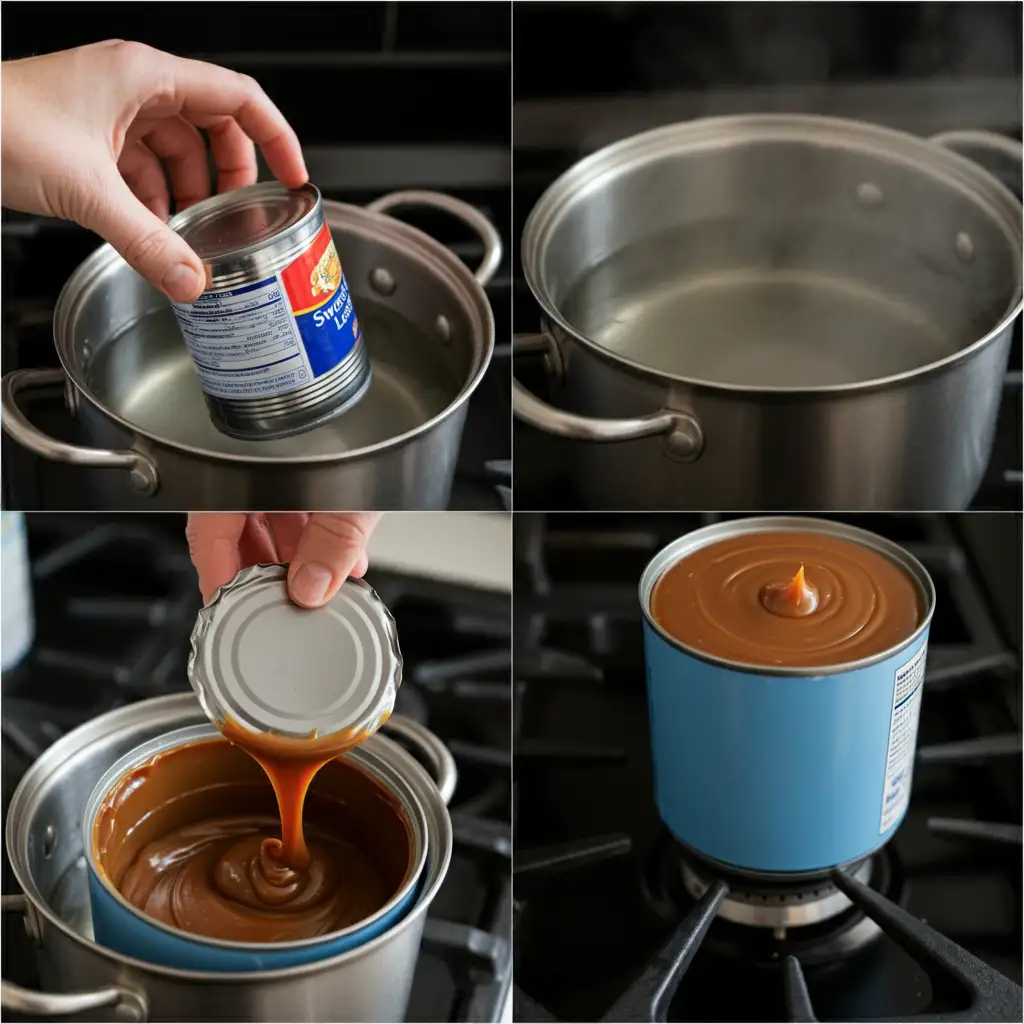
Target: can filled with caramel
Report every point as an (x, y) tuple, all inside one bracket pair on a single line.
[(785, 662), (177, 876)]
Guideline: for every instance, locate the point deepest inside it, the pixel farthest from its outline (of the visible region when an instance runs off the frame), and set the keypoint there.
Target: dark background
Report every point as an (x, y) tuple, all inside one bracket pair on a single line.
[(354, 72), (603, 48)]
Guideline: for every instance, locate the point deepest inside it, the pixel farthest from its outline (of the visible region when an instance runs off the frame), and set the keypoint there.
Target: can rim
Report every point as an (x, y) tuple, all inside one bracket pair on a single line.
[(209, 209), (205, 732), (678, 549)]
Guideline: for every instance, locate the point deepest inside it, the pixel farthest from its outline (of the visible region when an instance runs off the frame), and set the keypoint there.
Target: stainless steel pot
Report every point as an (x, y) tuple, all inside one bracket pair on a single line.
[(775, 312), (85, 981), (129, 381)]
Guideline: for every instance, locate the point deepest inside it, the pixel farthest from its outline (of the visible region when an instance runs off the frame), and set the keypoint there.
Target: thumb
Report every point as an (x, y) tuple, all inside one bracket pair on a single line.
[(331, 547), (147, 244)]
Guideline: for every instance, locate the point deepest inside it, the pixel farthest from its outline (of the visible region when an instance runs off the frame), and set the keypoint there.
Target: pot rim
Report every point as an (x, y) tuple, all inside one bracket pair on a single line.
[(685, 545), (382, 228), (704, 132), (189, 734), (180, 708)]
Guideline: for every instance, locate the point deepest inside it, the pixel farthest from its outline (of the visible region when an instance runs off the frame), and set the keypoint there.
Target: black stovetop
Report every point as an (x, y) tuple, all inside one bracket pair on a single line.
[(920, 68), (401, 74), (597, 888), (115, 600)]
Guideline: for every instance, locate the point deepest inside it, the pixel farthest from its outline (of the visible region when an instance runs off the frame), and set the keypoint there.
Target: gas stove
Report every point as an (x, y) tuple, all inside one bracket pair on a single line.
[(401, 74), (919, 68), (616, 921), (115, 600)]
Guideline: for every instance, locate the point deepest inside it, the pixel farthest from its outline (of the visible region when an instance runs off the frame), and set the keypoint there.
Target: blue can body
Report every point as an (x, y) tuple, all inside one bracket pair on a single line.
[(119, 928), (780, 772)]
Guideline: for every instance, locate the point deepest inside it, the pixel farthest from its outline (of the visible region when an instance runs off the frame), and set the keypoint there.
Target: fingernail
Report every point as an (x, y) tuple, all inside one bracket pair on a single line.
[(311, 583), (182, 283)]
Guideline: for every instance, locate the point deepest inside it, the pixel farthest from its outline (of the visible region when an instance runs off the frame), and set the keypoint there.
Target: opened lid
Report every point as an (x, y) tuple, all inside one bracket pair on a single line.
[(268, 665)]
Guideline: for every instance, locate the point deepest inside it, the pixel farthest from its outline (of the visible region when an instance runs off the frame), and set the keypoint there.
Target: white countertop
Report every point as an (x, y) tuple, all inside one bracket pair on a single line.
[(468, 548)]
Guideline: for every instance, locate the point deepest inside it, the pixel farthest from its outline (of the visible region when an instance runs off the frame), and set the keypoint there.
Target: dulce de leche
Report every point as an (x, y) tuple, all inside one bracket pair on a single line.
[(787, 598), (191, 839)]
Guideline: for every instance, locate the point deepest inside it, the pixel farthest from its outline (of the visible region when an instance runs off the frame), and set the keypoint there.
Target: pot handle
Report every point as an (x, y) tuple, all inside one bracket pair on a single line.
[(125, 1004), (469, 215), (684, 439), (430, 748), (980, 140), (141, 469)]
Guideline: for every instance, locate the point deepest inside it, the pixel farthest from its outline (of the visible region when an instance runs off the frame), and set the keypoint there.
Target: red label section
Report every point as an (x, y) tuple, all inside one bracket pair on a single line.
[(313, 278)]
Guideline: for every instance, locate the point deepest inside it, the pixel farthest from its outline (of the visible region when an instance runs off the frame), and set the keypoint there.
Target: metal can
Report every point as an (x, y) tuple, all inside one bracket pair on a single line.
[(269, 666), (275, 339), (782, 770), (122, 927)]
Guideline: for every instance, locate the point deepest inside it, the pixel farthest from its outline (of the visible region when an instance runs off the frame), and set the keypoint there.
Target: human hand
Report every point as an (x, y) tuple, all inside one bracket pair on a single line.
[(85, 131), (324, 548)]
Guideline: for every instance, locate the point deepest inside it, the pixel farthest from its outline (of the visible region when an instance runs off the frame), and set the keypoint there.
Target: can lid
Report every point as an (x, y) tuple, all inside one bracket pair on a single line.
[(268, 665), (229, 223)]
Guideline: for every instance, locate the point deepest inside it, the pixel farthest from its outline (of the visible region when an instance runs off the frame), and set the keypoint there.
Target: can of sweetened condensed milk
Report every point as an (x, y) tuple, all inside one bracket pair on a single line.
[(177, 877), (274, 338), (785, 660)]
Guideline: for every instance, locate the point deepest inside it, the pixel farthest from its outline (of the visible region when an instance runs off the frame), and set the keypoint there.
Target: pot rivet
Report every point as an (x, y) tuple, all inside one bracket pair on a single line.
[(443, 328), (686, 441), (965, 247), (143, 478), (49, 841), (869, 194), (381, 281), (130, 1008)]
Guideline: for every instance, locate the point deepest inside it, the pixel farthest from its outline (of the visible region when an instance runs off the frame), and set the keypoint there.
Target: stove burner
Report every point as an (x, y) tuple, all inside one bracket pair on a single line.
[(772, 904), (766, 918)]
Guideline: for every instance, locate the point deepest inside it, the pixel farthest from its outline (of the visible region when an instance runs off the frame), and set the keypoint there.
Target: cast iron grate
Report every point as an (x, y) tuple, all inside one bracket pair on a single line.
[(576, 594), (115, 601)]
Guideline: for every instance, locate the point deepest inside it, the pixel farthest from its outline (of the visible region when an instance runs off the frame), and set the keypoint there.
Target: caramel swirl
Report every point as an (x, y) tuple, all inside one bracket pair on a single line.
[(221, 877), (845, 602), (193, 839)]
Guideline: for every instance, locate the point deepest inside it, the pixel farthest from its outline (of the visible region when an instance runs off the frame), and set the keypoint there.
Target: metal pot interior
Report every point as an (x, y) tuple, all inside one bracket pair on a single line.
[(427, 324), (776, 252), (44, 826)]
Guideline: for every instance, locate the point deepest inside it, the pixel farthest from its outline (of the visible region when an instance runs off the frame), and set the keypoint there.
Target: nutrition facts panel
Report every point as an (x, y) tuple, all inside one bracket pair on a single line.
[(899, 766), (245, 342)]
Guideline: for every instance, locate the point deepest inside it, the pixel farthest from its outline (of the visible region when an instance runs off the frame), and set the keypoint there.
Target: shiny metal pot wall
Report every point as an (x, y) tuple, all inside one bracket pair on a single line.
[(775, 312), (88, 982), (129, 381)]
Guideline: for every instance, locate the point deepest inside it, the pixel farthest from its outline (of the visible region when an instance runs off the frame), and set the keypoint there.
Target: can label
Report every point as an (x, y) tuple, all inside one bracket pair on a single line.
[(274, 336), (899, 762)]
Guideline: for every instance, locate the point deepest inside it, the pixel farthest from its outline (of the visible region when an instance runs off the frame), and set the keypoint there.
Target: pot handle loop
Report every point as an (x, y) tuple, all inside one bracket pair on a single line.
[(125, 1004), (961, 140), (684, 439), (430, 748), (141, 469), (469, 215)]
